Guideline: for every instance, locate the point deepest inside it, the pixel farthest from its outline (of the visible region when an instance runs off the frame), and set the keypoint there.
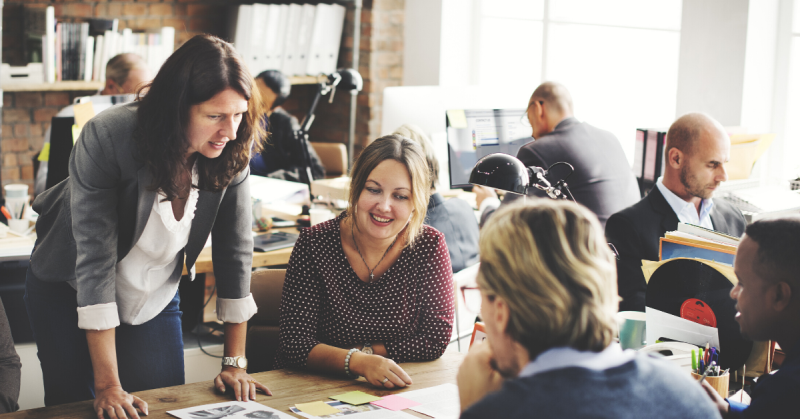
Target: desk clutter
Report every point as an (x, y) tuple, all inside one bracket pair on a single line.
[(439, 402)]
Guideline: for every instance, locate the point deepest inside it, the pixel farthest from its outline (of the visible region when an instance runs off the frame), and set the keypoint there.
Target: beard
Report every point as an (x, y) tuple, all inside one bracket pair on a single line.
[(694, 187)]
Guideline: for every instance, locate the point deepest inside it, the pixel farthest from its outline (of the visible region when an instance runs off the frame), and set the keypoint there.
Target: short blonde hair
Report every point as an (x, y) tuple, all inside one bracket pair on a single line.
[(408, 153), (417, 134), (549, 261)]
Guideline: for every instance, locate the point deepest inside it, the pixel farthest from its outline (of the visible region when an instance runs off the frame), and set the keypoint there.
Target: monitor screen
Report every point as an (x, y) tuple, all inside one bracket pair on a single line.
[(473, 134)]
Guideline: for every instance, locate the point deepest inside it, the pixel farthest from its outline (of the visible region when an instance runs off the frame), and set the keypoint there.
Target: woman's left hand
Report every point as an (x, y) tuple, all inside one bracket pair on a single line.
[(244, 386)]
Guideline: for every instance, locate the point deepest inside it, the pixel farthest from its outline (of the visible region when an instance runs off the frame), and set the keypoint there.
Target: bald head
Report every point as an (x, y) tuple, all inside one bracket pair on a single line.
[(697, 150), (555, 96), (691, 129), (550, 104), (124, 73)]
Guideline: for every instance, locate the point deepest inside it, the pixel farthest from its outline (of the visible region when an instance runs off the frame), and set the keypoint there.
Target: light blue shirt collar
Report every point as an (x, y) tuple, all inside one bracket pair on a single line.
[(565, 357), (686, 211)]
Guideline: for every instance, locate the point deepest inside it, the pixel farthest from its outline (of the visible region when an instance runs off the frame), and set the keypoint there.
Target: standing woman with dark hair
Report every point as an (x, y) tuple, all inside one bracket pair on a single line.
[(149, 181)]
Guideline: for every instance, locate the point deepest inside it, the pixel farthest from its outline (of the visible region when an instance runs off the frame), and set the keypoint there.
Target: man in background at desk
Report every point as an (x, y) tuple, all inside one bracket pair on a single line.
[(697, 149), (768, 301), (124, 73), (602, 181)]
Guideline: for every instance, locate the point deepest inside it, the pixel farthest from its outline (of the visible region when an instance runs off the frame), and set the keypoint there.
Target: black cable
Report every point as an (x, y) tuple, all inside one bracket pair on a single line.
[(201, 324)]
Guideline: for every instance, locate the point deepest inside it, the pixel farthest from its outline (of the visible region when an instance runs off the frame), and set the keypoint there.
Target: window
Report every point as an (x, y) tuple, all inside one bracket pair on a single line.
[(618, 58)]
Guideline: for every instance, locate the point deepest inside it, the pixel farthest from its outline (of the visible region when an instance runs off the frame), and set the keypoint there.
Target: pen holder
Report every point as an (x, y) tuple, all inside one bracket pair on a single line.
[(719, 383)]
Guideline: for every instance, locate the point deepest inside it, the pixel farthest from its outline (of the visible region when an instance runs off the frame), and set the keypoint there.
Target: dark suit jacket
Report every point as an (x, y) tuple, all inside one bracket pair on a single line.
[(602, 181), (455, 219), (635, 231)]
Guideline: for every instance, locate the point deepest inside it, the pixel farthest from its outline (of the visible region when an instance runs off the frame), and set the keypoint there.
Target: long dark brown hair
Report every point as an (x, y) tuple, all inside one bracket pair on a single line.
[(198, 70)]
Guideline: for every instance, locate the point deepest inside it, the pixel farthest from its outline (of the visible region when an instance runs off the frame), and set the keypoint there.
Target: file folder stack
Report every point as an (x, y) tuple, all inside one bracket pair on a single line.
[(296, 39)]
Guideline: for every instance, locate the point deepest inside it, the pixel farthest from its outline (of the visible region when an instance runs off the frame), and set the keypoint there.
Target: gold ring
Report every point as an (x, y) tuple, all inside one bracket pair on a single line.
[(251, 381)]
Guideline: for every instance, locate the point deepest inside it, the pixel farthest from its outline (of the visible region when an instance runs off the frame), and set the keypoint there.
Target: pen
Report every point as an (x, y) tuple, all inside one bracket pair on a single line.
[(706, 373), (5, 212), (700, 366)]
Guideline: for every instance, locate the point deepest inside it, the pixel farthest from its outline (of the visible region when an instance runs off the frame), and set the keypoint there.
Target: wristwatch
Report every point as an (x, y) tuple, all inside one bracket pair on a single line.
[(367, 349), (236, 361)]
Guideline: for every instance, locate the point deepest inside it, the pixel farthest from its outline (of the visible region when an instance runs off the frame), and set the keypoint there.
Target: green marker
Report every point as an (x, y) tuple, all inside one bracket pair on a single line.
[(694, 360)]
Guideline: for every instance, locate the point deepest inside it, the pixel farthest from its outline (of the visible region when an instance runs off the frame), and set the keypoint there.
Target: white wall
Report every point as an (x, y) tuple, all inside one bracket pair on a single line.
[(422, 42), (712, 58)]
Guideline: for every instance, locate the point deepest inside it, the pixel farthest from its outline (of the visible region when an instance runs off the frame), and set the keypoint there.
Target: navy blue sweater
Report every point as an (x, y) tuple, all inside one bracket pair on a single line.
[(774, 396), (645, 387)]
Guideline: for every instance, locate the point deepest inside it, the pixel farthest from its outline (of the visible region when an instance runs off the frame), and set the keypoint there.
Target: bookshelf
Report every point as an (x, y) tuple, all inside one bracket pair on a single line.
[(75, 85)]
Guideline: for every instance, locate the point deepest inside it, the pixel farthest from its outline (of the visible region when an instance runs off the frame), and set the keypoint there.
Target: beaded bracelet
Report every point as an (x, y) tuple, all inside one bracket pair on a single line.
[(347, 363)]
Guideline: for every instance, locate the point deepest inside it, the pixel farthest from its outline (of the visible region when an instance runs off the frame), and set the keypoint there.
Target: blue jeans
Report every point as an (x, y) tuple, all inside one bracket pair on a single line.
[(149, 355)]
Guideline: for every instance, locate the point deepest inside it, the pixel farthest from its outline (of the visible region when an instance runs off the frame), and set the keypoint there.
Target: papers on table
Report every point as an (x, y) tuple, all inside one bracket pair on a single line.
[(664, 325), (316, 409), (229, 410), (355, 397), (395, 402), (270, 191), (439, 402), (364, 411)]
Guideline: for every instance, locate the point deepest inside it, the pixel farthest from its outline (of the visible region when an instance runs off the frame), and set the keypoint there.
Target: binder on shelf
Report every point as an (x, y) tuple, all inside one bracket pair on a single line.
[(316, 48), (48, 46), (241, 35), (290, 47), (259, 26), (333, 38), (280, 40), (648, 161), (272, 34), (305, 33)]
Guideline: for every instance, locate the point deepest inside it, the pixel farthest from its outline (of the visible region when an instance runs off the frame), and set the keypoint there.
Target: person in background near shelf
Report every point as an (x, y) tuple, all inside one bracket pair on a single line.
[(768, 303), (602, 180), (374, 286), (124, 73), (10, 367), (453, 217), (548, 300), (282, 157), (149, 181), (696, 151)]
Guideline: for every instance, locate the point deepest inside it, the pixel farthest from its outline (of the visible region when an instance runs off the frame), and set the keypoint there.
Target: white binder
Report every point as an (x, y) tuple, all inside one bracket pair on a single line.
[(316, 49), (333, 38), (290, 50), (304, 39), (277, 39), (258, 37), (241, 37)]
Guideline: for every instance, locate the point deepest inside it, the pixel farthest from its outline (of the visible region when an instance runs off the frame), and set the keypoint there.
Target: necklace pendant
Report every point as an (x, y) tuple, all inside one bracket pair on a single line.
[(371, 276)]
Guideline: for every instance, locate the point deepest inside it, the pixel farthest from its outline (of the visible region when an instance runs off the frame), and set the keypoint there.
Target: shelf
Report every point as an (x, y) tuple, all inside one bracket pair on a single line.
[(74, 85), (71, 85)]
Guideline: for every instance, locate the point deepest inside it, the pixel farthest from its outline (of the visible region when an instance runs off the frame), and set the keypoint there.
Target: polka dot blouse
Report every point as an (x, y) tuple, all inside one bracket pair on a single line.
[(409, 308)]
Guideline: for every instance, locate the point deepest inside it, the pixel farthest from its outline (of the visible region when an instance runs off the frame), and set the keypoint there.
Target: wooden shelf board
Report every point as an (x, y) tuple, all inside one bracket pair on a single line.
[(71, 85)]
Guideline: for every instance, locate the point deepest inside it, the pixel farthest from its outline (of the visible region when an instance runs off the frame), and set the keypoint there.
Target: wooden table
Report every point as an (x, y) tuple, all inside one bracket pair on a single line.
[(288, 386)]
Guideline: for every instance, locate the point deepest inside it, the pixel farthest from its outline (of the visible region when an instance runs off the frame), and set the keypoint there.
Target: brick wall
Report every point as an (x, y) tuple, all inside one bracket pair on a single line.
[(26, 115)]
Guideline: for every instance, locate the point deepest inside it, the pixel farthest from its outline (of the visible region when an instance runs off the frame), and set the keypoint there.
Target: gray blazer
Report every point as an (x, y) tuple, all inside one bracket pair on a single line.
[(91, 220)]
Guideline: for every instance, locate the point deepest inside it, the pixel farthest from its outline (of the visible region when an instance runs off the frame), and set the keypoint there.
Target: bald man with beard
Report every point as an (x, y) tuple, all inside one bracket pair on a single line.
[(697, 148)]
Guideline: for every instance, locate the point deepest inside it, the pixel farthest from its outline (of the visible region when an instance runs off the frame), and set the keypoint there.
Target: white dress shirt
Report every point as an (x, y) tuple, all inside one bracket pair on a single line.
[(686, 211), (565, 357), (145, 277)]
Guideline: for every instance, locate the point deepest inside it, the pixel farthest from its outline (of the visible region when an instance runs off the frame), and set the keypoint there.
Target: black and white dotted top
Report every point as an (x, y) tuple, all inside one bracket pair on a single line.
[(409, 308)]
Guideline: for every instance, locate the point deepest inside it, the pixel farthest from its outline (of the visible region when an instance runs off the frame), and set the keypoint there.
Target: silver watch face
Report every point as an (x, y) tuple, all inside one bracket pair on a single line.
[(241, 362), (367, 349)]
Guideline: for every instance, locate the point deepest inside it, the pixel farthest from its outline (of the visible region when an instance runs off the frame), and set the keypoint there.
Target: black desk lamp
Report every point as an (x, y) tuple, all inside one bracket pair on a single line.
[(347, 79), (507, 173)]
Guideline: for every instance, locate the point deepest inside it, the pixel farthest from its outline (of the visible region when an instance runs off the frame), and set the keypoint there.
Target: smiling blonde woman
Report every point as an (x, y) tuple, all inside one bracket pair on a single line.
[(372, 287)]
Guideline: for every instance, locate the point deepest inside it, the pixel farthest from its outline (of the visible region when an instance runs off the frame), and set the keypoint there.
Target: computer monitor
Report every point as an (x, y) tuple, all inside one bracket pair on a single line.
[(475, 133)]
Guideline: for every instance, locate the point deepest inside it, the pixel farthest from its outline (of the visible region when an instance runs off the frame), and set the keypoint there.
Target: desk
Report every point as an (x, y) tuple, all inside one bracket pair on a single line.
[(288, 386)]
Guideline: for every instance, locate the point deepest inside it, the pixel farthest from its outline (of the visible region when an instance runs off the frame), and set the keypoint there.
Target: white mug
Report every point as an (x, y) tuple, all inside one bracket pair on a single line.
[(320, 215)]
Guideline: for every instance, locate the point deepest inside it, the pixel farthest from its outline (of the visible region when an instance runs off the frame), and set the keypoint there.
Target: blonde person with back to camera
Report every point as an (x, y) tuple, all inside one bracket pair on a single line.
[(548, 298), (373, 287)]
